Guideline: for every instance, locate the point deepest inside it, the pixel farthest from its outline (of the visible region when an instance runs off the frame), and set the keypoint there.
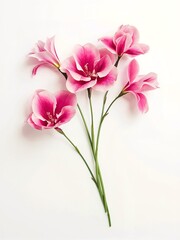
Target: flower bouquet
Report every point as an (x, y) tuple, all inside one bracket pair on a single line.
[(90, 69)]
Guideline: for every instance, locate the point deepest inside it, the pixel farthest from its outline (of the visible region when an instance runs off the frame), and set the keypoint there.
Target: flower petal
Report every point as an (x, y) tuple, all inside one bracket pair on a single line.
[(137, 49), (45, 57), (76, 86), (85, 56), (108, 42), (131, 30), (36, 68), (103, 52), (32, 124), (103, 84), (65, 116), (142, 102), (39, 122), (133, 70), (49, 45), (43, 104), (123, 43), (65, 98), (103, 66), (149, 82), (69, 65)]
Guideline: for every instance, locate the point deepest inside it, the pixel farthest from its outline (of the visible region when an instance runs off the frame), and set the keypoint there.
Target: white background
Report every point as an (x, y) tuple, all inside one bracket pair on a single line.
[(45, 190)]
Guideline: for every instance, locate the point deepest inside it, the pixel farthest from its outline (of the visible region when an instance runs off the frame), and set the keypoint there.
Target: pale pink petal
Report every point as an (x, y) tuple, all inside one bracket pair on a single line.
[(32, 124), (123, 43), (43, 104), (65, 116), (133, 70), (49, 45), (76, 86), (103, 52), (142, 102), (45, 57), (103, 66), (85, 56), (39, 122), (108, 42), (137, 49), (131, 30), (69, 65), (36, 68), (40, 46), (65, 98), (105, 83)]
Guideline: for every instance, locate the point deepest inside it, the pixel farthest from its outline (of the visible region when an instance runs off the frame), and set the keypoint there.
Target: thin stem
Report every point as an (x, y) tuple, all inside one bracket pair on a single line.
[(80, 154), (78, 151), (99, 179), (100, 123), (92, 121), (105, 201), (110, 105), (85, 124)]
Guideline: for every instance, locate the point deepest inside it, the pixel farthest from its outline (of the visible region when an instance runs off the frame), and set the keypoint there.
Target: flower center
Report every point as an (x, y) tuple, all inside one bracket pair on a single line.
[(88, 73), (50, 117)]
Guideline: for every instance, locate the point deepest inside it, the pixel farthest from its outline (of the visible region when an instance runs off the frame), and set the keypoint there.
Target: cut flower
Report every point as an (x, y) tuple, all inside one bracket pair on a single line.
[(138, 84), (51, 110), (89, 67), (45, 53), (125, 41)]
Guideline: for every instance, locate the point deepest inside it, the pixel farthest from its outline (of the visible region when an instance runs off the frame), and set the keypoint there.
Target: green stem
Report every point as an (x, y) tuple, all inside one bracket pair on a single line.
[(99, 179), (78, 151), (92, 121), (85, 124), (80, 154), (100, 123), (110, 105)]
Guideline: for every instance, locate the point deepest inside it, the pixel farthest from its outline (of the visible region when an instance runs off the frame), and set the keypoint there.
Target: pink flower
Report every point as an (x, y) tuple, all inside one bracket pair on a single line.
[(89, 67), (138, 84), (51, 110), (45, 53), (125, 41)]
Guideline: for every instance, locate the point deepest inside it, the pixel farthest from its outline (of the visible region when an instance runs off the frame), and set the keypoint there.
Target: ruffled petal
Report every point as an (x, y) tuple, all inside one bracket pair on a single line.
[(137, 49), (108, 42), (49, 45), (103, 66), (85, 56), (65, 116), (149, 82), (130, 30), (65, 98), (103, 84), (69, 66), (105, 52), (43, 105), (32, 123), (123, 43), (76, 86)]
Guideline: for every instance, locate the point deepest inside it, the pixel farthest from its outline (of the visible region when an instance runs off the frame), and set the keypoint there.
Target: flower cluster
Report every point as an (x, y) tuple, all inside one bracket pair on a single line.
[(93, 69)]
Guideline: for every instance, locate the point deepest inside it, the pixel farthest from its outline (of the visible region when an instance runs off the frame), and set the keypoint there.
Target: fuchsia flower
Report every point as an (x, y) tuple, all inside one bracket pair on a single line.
[(125, 41), (138, 84), (89, 67), (51, 111), (45, 53)]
